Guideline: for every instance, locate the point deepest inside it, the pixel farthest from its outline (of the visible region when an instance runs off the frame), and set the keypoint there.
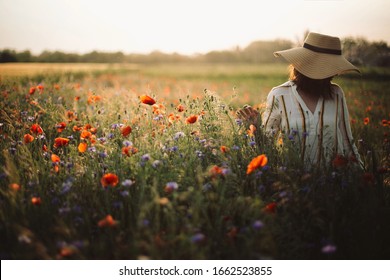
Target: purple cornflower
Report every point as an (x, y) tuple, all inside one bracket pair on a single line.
[(127, 143), (145, 157), (127, 183), (239, 122), (197, 238), (258, 224), (156, 163), (236, 148), (158, 118), (178, 135), (103, 154), (329, 249), (199, 154), (124, 193), (92, 149)]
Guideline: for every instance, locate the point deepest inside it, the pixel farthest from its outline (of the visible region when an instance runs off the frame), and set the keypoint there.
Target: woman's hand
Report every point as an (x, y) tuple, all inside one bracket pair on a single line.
[(248, 114)]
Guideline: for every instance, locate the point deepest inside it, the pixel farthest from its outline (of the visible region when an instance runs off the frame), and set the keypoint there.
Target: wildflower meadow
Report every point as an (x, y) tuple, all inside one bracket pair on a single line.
[(152, 163)]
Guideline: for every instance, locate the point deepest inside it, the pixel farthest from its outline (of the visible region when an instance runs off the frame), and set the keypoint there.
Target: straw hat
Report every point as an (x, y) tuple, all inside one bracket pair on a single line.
[(319, 58)]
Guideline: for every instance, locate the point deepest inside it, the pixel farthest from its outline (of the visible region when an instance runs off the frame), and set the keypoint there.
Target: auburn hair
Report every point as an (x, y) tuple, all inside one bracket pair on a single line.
[(321, 87)]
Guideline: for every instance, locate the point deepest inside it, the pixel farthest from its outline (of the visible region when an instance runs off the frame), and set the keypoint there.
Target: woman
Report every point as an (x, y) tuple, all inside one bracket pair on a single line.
[(309, 109)]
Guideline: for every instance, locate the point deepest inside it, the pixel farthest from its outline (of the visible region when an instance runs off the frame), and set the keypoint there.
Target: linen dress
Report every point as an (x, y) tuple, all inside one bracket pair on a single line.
[(321, 135)]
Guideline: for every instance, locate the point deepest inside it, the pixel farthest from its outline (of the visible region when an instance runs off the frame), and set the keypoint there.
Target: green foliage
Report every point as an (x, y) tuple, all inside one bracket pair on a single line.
[(357, 50)]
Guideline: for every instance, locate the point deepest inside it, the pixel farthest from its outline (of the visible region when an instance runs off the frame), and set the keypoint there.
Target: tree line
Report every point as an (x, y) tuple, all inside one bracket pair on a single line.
[(359, 51)]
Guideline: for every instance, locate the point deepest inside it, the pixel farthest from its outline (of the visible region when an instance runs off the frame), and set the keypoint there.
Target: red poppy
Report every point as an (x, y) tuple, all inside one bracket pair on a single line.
[(93, 130), (224, 149), (14, 187), (36, 129), (126, 130), (146, 99), (172, 117), (366, 121), (55, 158), (340, 161), (32, 90), (60, 142), (129, 150), (368, 178), (216, 170), (192, 119), (107, 221), (271, 207), (60, 126), (70, 115), (257, 162), (28, 138), (82, 147), (85, 134), (40, 88), (232, 233), (180, 108), (93, 99), (109, 179), (158, 109), (77, 128), (36, 200)]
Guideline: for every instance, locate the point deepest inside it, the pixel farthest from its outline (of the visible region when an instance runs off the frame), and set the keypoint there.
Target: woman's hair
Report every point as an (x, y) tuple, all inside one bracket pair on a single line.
[(322, 87)]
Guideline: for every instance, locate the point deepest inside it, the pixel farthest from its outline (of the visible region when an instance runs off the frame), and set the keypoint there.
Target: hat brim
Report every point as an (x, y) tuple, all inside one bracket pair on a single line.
[(316, 65)]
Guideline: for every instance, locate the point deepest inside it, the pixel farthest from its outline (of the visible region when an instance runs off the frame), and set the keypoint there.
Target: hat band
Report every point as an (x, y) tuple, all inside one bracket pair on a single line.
[(321, 50)]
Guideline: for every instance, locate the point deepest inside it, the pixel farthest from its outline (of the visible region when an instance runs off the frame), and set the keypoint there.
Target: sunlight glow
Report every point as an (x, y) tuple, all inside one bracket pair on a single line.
[(186, 27)]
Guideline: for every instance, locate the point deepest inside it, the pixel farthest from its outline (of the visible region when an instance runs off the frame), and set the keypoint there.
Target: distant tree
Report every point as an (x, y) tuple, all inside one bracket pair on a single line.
[(8, 55), (24, 56), (361, 52), (357, 50), (262, 51)]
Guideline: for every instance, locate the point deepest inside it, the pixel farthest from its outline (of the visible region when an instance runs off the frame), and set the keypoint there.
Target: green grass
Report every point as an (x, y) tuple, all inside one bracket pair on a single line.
[(217, 211)]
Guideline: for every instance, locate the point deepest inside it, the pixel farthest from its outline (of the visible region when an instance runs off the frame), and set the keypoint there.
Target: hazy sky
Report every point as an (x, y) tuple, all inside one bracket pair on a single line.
[(184, 26)]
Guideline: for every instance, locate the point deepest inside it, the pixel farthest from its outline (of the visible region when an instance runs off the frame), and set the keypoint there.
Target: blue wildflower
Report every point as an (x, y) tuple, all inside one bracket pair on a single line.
[(329, 249), (92, 149), (127, 183), (127, 143), (258, 224), (145, 157), (124, 193), (156, 163), (236, 148), (199, 154), (178, 135), (173, 149), (197, 238)]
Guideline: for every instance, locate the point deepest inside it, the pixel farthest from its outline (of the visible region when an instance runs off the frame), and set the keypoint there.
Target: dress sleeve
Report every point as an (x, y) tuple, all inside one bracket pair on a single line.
[(271, 117), (346, 132)]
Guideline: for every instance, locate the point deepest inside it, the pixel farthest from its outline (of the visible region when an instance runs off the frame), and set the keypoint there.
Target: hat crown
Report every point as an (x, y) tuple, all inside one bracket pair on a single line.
[(323, 41)]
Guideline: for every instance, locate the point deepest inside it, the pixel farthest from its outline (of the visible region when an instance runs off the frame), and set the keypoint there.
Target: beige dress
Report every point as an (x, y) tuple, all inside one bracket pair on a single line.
[(321, 135)]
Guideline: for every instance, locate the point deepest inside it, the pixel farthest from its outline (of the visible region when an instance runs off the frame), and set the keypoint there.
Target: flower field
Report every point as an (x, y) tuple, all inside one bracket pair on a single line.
[(152, 163)]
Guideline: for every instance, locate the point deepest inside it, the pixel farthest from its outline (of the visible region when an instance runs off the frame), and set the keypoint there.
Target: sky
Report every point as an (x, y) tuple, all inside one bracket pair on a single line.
[(182, 26)]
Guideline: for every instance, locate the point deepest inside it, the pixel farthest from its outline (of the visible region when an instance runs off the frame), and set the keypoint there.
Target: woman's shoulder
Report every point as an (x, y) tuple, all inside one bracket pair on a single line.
[(282, 89), (336, 89)]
